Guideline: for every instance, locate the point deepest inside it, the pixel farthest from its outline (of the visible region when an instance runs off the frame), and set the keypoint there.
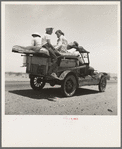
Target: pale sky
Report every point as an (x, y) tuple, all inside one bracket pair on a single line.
[(95, 27)]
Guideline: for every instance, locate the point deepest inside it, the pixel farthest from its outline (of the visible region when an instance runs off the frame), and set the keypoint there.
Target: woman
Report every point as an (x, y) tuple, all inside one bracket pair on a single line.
[(61, 42)]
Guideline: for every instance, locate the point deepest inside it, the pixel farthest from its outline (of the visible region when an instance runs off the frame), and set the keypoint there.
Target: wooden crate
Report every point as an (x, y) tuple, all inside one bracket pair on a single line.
[(37, 65), (39, 60)]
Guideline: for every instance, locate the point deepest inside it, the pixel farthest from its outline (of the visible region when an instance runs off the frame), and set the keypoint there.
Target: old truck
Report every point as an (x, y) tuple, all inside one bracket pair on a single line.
[(70, 73)]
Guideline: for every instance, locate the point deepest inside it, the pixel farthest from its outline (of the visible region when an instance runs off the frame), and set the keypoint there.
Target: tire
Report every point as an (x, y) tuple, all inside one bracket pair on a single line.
[(36, 83), (102, 84), (69, 85)]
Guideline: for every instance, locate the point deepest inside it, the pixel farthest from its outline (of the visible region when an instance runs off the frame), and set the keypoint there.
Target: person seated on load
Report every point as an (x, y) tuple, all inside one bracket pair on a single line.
[(61, 42), (35, 43), (36, 40), (46, 43), (63, 46), (60, 48)]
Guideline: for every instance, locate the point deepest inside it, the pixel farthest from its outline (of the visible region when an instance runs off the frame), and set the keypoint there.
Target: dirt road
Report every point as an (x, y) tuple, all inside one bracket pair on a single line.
[(20, 99)]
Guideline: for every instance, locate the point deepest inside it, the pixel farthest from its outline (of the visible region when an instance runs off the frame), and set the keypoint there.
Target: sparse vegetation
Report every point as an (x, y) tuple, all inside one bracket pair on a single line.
[(18, 74), (110, 76), (115, 77)]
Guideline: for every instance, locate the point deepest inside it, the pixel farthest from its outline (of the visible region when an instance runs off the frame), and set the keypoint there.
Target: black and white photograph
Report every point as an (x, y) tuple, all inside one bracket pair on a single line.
[(60, 74)]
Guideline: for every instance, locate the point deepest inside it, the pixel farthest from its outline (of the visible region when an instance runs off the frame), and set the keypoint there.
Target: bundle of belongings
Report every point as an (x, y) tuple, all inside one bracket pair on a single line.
[(24, 50), (73, 52)]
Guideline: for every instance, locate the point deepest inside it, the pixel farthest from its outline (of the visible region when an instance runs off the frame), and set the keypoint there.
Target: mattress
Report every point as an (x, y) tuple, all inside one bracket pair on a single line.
[(42, 52), (20, 49)]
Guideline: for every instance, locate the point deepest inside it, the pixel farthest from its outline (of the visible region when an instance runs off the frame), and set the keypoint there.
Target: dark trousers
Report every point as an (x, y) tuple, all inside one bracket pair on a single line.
[(53, 53)]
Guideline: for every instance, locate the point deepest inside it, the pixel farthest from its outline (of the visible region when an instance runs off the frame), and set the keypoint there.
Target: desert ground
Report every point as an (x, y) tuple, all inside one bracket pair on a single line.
[(20, 99)]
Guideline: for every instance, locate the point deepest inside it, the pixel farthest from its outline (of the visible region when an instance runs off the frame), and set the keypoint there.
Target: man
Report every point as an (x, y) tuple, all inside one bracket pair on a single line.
[(46, 43), (47, 36), (35, 45), (36, 40)]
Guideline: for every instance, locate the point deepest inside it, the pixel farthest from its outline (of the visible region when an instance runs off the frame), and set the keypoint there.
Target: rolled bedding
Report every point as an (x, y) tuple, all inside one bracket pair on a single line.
[(24, 50), (40, 52)]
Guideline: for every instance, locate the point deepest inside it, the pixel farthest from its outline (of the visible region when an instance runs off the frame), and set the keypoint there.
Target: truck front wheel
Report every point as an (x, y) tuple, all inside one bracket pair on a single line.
[(102, 84), (36, 83), (69, 85)]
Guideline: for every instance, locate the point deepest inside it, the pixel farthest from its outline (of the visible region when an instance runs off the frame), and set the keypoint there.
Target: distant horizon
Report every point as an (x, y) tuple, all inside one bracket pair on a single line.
[(28, 73)]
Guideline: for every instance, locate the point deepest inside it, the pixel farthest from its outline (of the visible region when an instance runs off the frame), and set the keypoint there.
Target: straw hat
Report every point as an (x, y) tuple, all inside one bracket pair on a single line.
[(36, 34)]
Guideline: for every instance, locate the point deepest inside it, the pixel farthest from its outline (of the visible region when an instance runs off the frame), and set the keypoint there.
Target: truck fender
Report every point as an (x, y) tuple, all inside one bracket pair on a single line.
[(68, 72), (65, 73), (102, 74), (62, 76)]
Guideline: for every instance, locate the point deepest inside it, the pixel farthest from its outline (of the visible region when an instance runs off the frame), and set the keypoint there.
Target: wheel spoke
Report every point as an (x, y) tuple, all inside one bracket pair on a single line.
[(37, 83), (70, 85)]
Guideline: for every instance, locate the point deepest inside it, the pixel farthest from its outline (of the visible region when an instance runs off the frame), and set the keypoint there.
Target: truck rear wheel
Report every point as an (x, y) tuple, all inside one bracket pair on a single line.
[(69, 85), (102, 84), (36, 83)]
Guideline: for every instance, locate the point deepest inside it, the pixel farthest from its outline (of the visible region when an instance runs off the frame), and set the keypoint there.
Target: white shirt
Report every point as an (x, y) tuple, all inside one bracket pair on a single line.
[(36, 41), (45, 39), (61, 44)]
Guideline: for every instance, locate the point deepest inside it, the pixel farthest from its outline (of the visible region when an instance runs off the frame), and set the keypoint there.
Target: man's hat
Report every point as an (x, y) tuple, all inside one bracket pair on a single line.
[(36, 34), (75, 43), (49, 29), (59, 31)]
